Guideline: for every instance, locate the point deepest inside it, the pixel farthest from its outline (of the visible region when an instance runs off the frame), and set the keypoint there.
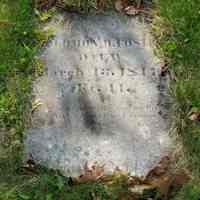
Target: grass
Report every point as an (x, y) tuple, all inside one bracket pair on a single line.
[(17, 48), (18, 44), (49, 185), (190, 191), (177, 30), (179, 39)]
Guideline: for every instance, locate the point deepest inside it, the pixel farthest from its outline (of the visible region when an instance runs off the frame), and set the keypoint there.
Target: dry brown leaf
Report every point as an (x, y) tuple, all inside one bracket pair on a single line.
[(131, 10), (160, 169), (133, 180), (160, 178), (163, 184), (106, 178), (93, 174), (120, 5), (100, 4), (195, 116), (181, 178), (166, 182)]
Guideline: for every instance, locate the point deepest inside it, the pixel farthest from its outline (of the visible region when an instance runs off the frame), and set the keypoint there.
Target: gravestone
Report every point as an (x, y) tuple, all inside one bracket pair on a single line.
[(102, 99)]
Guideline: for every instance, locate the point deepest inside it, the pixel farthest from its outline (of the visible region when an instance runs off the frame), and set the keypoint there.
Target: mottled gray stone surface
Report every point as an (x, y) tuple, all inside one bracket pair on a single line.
[(102, 96)]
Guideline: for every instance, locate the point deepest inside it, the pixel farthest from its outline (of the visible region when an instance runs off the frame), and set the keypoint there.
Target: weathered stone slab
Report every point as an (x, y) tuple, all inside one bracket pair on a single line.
[(103, 99)]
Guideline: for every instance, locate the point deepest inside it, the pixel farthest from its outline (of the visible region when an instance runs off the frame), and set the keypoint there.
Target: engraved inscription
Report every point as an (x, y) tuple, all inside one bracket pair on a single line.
[(98, 42)]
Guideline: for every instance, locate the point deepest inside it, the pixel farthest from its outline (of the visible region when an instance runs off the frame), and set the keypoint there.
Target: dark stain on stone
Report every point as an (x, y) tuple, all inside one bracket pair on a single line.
[(102, 97), (51, 120), (66, 111), (86, 153), (88, 113)]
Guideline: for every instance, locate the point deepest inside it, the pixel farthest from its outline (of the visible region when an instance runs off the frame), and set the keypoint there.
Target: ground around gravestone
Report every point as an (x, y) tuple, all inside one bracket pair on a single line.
[(102, 98)]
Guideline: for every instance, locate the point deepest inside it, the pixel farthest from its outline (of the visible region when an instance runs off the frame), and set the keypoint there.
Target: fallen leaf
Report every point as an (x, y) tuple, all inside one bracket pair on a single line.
[(195, 116), (131, 10), (100, 4), (134, 180), (160, 169), (106, 178), (160, 178), (163, 184), (90, 174), (120, 5), (181, 177)]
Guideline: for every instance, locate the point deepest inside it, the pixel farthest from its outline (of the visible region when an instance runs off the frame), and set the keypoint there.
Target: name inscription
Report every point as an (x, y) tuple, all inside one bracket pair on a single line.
[(98, 42)]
